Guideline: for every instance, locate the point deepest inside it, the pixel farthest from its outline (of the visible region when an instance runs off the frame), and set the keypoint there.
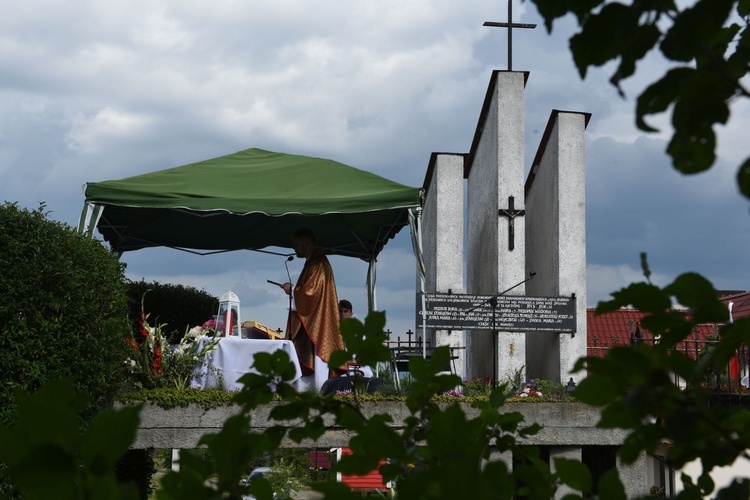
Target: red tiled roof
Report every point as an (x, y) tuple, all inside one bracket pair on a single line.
[(615, 328), (740, 304)]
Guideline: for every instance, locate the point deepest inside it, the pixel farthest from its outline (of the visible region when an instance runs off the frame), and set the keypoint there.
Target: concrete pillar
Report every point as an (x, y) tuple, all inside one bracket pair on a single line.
[(443, 239), (495, 170), (570, 453), (634, 477), (556, 240)]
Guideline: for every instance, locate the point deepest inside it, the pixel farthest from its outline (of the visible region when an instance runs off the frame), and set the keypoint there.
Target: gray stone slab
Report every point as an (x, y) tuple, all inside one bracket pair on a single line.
[(562, 424)]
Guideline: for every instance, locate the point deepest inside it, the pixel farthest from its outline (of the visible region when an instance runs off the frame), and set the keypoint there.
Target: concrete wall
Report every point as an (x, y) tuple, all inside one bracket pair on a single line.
[(634, 476), (556, 240), (443, 239), (564, 424), (495, 172), (566, 428), (568, 453)]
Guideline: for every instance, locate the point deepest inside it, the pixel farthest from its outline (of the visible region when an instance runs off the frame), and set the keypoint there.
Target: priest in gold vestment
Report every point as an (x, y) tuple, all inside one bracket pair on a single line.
[(313, 323)]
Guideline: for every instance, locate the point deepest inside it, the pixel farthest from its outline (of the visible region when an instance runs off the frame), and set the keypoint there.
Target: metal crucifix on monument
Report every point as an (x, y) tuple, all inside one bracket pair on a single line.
[(511, 213), (510, 25)]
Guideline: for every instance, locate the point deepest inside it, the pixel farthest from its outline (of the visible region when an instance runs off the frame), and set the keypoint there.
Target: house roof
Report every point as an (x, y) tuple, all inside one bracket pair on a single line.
[(618, 327), (740, 303)]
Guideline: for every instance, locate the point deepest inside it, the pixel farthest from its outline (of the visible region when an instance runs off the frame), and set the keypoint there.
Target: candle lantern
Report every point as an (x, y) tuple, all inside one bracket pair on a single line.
[(228, 319)]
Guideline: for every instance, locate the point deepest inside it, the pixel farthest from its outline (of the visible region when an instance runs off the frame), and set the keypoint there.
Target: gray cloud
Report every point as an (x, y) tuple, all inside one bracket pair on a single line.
[(96, 91)]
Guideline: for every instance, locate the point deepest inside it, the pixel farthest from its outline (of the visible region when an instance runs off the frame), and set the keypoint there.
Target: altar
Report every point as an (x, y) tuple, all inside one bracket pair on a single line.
[(233, 358)]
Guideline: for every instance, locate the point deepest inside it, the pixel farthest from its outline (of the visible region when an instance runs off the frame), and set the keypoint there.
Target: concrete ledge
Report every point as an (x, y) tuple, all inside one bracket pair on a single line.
[(565, 424)]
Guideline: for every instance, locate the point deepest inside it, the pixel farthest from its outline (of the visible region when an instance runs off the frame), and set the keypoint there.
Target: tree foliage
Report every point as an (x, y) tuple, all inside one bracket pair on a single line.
[(176, 307), (658, 393), (708, 42)]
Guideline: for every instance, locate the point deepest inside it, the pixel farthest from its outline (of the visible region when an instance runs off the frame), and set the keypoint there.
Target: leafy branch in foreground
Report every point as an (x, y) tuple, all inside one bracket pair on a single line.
[(62, 460), (658, 393), (436, 452), (709, 42)]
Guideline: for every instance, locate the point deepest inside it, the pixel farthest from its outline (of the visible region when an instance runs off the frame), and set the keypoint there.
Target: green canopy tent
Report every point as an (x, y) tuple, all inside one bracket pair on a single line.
[(252, 199)]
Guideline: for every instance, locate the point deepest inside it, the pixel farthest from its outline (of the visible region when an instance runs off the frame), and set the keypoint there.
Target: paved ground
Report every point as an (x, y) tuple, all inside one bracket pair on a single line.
[(308, 495)]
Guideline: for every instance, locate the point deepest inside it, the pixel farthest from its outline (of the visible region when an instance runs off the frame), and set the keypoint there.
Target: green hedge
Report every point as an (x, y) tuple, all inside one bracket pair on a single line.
[(63, 312)]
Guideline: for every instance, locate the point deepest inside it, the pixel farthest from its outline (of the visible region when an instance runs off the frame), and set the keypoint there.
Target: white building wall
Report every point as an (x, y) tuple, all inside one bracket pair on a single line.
[(442, 240), (556, 241), (495, 174)]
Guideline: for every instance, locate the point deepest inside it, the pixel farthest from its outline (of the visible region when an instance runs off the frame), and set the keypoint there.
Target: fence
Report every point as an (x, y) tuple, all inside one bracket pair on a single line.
[(726, 385)]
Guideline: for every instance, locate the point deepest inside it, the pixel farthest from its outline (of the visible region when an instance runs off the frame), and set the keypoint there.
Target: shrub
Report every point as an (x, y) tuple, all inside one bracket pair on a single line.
[(63, 312), (176, 307)]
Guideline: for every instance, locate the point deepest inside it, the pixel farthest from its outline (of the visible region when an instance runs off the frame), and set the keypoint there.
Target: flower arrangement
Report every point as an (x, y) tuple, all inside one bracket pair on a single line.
[(154, 363), (531, 390), (453, 393)]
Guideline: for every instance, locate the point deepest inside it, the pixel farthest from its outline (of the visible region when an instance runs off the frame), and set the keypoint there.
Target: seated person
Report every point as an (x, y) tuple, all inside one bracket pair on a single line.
[(345, 309), (347, 312)]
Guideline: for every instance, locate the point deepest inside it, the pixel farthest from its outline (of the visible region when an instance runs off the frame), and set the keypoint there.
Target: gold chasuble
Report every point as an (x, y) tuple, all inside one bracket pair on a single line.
[(315, 323)]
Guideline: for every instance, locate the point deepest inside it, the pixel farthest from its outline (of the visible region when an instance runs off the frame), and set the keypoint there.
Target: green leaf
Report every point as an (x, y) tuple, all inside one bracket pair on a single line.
[(743, 177), (610, 487), (738, 488), (697, 293), (550, 10), (659, 95), (614, 32), (644, 266), (108, 438), (602, 36), (643, 296), (693, 27), (595, 391), (574, 474), (260, 488), (705, 483), (339, 358), (692, 151), (498, 396)]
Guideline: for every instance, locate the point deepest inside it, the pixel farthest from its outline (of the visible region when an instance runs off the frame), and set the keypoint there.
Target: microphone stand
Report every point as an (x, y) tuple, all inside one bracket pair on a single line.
[(291, 285)]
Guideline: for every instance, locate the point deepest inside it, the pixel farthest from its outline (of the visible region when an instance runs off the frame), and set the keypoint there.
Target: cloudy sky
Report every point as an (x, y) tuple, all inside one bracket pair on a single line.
[(92, 91)]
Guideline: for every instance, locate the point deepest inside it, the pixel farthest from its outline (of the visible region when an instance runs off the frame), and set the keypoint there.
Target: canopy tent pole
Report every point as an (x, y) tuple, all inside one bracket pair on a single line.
[(90, 216), (372, 275)]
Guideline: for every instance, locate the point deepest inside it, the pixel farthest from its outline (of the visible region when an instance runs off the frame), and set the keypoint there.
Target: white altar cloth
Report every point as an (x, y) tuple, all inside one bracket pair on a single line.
[(233, 358)]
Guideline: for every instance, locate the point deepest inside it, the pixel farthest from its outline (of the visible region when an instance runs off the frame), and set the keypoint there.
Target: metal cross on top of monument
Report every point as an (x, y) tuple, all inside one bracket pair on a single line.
[(510, 25)]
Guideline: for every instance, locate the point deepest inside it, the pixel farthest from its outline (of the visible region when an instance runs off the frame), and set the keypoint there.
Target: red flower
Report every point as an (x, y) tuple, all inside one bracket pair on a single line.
[(133, 344), (144, 328), (156, 366)]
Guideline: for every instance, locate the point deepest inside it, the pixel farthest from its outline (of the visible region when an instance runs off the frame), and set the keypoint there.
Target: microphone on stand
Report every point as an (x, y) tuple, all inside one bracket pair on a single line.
[(291, 285), (288, 259)]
